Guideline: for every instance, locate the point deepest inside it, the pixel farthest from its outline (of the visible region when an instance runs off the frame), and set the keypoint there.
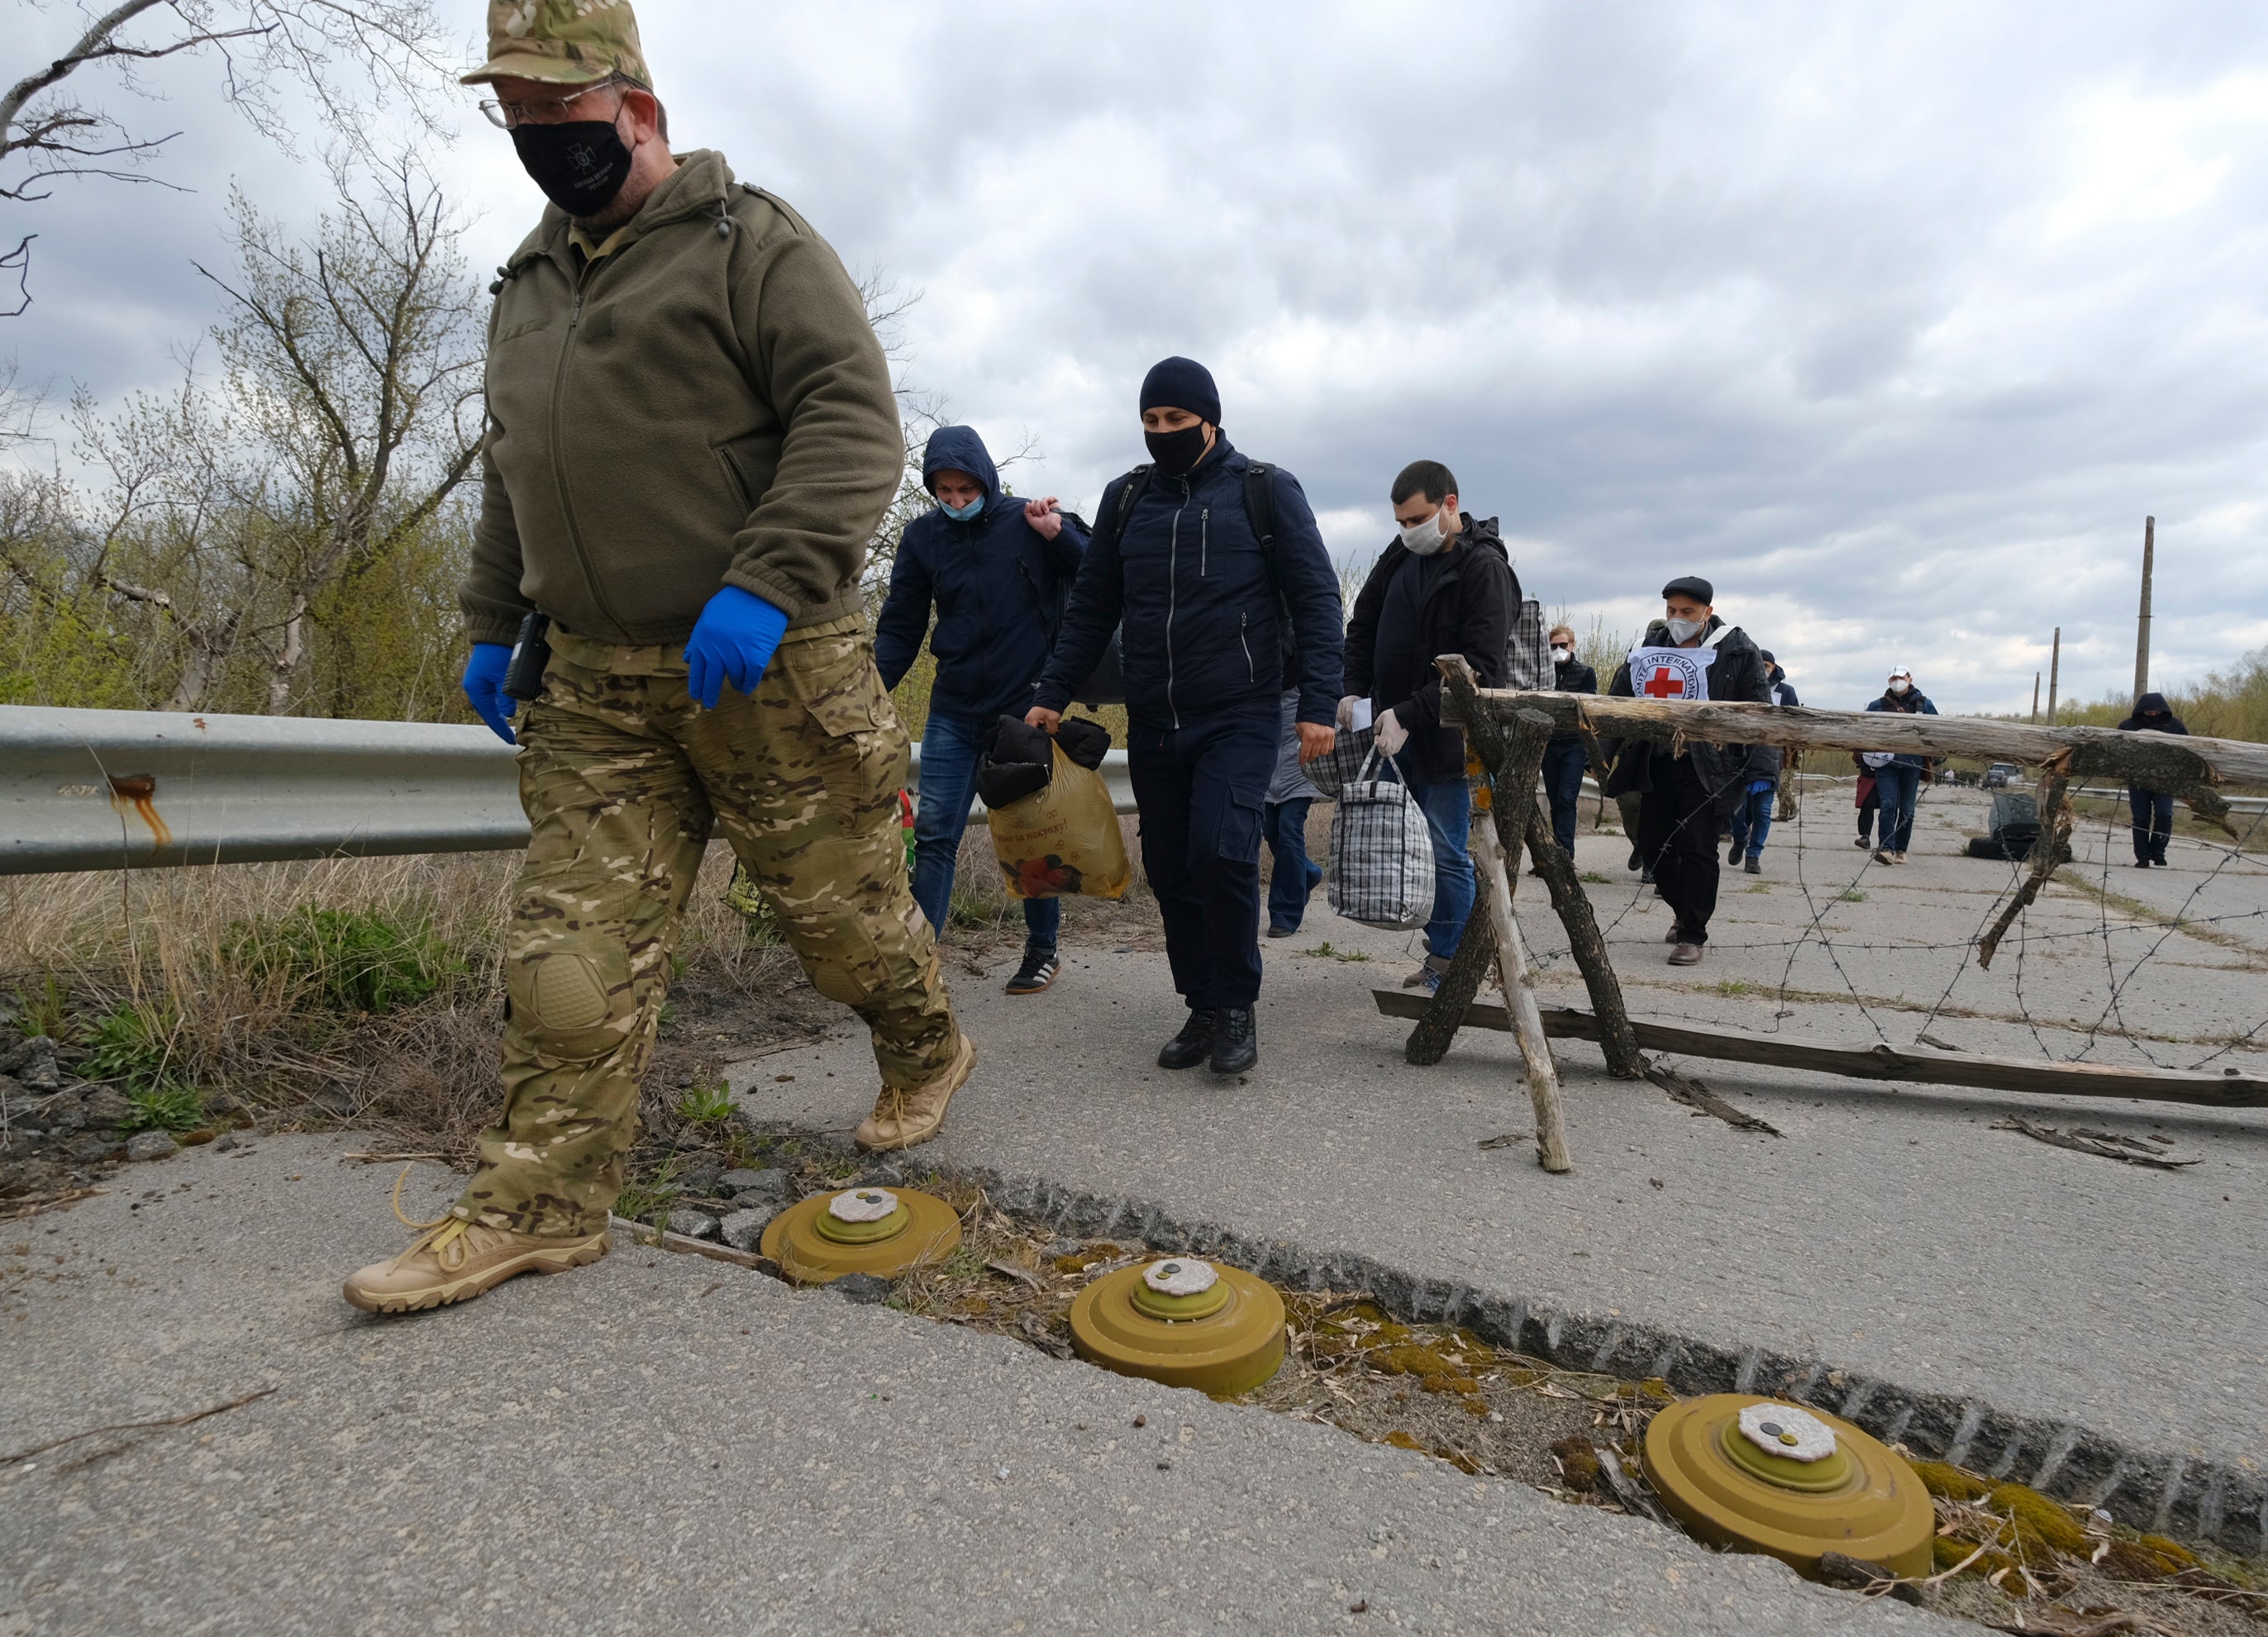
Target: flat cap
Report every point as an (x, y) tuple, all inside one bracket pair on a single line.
[(1690, 585)]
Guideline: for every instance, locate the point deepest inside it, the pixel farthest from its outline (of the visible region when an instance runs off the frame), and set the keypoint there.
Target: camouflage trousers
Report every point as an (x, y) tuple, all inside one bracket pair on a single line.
[(622, 777)]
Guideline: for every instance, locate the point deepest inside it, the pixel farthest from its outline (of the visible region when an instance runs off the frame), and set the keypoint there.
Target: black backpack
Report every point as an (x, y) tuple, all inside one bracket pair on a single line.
[(1107, 685)]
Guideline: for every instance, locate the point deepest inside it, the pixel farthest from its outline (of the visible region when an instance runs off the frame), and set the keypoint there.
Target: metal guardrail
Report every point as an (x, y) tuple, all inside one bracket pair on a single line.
[(110, 789)]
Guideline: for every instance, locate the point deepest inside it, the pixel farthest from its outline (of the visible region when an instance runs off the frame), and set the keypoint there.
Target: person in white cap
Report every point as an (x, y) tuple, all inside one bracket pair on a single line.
[(1898, 780)]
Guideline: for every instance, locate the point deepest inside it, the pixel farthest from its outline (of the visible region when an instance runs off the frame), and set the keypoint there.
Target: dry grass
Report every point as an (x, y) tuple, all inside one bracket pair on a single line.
[(216, 966)]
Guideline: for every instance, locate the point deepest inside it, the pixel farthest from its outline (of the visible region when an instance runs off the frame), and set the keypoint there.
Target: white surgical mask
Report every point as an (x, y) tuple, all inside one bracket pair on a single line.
[(1561, 655), (1899, 685), (1684, 630), (1424, 538)]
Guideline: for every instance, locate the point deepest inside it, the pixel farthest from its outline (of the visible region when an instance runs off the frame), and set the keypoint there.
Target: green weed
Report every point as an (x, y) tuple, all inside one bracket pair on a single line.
[(352, 960), (134, 1046), (650, 1201), (168, 1108), (1852, 895), (1734, 986), (1327, 952), (707, 1105), (44, 1011), (1595, 878)]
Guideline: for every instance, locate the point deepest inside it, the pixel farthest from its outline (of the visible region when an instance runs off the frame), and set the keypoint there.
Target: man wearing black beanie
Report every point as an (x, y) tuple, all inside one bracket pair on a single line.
[(1211, 566), (1689, 654)]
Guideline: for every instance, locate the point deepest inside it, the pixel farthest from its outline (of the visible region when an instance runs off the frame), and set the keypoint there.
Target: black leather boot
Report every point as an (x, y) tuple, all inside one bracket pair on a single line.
[(1194, 1044), (1235, 1044)]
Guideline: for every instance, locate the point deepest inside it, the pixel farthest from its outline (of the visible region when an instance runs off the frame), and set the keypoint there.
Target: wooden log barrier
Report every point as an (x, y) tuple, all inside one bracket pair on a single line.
[(2191, 767), (2230, 1088)]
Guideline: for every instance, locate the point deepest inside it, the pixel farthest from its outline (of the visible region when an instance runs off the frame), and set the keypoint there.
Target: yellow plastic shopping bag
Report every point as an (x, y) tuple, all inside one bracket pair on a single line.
[(1061, 840)]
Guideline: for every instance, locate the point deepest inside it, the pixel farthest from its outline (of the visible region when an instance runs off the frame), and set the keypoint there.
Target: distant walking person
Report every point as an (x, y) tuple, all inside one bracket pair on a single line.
[(1689, 654), (1898, 780), (1292, 875), (2152, 810), (1444, 586), (1751, 820), (1868, 799), (997, 569), (1564, 758)]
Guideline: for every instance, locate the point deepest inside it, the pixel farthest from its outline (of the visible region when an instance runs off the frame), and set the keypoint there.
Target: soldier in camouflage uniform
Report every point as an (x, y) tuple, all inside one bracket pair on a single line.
[(692, 436)]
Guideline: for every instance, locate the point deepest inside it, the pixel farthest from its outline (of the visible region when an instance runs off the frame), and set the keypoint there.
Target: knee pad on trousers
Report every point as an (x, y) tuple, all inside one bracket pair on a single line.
[(573, 1005)]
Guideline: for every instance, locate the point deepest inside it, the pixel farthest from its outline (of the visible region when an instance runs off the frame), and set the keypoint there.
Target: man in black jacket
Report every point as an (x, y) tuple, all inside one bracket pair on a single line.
[(1204, 593), (2152, 810), (1563, 756), (1686, 794), (996, 568), (1444, 585)]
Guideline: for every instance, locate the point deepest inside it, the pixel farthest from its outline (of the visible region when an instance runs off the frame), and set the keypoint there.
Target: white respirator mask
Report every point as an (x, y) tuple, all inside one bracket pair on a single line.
[(1424, 538), (1561, 655), (1685, 630)]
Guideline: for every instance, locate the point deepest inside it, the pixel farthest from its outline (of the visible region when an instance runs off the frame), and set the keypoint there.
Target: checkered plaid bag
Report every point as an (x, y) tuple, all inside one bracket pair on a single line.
[(1381, 854)]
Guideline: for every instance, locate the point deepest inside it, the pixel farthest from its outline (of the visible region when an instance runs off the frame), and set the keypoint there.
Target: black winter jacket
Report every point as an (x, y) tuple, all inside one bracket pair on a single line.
[(1199, 599), (1737, 673), (1467, 608), (999, 584), (2151, 714), (1574, 677)]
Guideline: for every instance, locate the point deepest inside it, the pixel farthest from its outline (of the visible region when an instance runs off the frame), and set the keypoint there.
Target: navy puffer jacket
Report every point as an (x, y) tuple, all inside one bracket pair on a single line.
[(1198, 600), (999, 584)]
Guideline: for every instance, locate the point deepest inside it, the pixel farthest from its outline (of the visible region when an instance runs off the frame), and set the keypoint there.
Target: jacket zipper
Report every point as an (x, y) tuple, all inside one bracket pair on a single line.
[(1204, 539), (1251, 673), (1173, 566), (558, 466)]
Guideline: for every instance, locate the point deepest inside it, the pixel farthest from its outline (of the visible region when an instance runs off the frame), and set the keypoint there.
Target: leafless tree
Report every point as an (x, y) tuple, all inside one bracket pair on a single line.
[(354, 370), (343, 53)]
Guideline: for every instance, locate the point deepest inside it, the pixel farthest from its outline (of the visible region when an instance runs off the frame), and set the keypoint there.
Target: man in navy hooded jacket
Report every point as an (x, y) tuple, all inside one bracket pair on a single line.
[(996, 568), (1203, 603)]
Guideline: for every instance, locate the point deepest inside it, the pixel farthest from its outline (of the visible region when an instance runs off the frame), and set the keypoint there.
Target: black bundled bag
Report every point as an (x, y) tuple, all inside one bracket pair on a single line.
[(2012, 829), (1017, 760)]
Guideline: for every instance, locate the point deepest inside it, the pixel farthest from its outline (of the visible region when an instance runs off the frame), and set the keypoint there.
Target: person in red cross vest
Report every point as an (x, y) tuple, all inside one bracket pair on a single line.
[(1689, 654)]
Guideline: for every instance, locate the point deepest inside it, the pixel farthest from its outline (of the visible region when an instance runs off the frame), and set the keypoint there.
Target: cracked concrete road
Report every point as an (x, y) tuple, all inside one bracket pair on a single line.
[(1890, 1230), (662, 1443)]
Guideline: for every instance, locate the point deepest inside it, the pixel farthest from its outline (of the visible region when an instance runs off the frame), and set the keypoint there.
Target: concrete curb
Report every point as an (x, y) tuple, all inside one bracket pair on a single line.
[(2146, 1489)]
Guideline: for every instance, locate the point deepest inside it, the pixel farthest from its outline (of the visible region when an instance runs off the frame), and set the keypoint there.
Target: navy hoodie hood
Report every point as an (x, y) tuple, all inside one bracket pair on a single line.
[(958, 449)]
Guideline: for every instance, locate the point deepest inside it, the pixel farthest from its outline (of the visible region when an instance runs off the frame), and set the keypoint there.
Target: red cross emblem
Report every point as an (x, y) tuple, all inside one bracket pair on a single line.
[(1665, 685)]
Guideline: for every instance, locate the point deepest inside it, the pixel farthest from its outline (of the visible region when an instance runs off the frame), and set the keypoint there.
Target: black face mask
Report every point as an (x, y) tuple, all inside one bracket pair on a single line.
[(1177, 453), (580, 165)]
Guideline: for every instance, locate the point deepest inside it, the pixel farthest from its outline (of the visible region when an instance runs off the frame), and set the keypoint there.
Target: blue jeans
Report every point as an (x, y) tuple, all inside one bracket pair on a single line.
[(1751, 820), (1562, 785), (948, 774), (1899, 787), (1448, 810), (1284, 823)]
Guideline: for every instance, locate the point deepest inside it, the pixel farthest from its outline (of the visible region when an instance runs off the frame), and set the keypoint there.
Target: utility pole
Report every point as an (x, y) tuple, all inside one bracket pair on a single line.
[(2035, 699), (2055, 671), (2142, 632)]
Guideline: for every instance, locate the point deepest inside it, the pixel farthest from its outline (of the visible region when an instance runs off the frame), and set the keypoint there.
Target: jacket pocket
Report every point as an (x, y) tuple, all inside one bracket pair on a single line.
[(740, 460)]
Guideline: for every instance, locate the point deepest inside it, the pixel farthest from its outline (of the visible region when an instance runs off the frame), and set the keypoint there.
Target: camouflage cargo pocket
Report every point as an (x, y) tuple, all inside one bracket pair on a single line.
[(862, 751)]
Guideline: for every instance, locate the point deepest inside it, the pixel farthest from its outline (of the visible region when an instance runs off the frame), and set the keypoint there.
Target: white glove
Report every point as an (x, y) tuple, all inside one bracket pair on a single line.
[(1347, 712), (1392, 736)]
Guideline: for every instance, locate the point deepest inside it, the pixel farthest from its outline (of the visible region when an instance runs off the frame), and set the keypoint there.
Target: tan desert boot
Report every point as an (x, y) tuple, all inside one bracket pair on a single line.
[(903, 1117), (454, 1261)]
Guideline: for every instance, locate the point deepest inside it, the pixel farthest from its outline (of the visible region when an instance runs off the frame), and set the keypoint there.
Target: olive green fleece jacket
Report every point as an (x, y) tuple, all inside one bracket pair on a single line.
[(703, 405)]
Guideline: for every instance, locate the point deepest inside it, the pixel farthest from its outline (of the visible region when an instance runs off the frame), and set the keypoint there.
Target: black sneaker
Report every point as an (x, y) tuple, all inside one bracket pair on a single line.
[(1733, 854), (1194, 1044), (1235, 1044), (1281, 932), (1752, 866), (1038, 971)]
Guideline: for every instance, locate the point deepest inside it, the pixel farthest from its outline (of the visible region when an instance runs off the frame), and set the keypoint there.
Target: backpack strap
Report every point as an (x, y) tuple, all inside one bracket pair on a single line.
[(1260, 506), (1111, 524)]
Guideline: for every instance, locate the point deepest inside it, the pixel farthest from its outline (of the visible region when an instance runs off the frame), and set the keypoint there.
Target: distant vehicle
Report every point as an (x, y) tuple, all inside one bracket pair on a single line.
[(1997, 775)]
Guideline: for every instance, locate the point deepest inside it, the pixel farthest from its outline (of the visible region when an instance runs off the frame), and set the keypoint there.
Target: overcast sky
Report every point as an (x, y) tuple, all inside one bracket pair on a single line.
[(1893, 321)]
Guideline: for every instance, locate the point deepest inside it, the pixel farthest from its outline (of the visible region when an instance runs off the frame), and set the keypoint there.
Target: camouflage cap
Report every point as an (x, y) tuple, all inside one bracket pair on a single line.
[(564, 42)]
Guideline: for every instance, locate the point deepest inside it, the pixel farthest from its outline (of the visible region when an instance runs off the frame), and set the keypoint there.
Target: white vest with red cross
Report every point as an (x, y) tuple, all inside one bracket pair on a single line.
[(1675, 673)]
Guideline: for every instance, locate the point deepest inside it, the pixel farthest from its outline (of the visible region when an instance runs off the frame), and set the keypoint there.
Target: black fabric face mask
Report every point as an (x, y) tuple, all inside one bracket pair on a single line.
[(1177, 453), (580, 165)]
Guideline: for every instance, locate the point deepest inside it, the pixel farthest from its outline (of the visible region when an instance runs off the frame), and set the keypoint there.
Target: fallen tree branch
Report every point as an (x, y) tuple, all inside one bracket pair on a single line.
[(171, 1421), (685, 1244), (1700, 1098), (2050, 853), (2101, 1144)]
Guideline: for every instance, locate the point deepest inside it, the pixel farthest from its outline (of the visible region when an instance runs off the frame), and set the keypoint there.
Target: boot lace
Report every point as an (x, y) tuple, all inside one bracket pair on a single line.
[(443, 1237)]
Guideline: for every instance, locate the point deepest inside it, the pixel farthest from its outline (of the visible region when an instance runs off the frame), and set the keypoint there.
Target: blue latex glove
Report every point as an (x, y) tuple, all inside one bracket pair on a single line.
[(483, 686), (731, 641)]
